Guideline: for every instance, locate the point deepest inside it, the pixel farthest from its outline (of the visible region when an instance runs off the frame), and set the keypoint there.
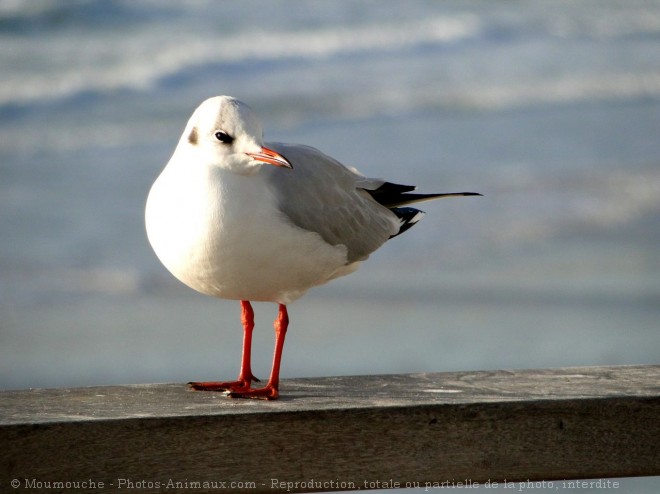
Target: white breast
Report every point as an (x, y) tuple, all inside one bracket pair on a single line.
[(222, 234)]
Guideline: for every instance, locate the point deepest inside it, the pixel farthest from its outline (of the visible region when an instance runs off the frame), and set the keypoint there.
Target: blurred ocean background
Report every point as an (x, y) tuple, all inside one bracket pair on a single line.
[(550, 108)]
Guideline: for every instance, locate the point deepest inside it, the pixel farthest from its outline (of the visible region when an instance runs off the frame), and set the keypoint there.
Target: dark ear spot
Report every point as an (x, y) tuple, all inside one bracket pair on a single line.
[(192, 137)]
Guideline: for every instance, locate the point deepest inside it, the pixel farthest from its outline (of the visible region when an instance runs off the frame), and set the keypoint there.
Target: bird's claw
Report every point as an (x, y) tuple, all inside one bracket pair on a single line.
[(226, 386), (265, 393), (237, 389)]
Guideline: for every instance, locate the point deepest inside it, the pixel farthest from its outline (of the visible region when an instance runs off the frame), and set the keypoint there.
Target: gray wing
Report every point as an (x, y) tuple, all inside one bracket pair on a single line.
[(321, 195)]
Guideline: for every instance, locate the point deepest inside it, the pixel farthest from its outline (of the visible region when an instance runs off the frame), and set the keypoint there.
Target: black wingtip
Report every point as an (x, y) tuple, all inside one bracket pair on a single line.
[(408, 217), (393, 195)]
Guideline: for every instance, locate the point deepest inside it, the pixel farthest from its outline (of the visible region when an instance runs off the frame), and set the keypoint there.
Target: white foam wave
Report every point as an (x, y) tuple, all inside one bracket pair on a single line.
[(563, 89), (291, 108), (65, 66), (25, 8), (488, 95)]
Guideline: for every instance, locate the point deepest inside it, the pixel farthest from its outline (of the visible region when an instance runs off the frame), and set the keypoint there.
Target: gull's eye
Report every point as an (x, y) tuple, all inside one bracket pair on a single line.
[(223, 137)]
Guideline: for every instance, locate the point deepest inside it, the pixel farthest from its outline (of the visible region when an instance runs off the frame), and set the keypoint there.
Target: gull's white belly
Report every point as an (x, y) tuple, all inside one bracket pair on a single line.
[(222, 234)]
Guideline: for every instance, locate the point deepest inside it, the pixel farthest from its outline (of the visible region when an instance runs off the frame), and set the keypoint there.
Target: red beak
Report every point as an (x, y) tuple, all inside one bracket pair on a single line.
[(271, 157)]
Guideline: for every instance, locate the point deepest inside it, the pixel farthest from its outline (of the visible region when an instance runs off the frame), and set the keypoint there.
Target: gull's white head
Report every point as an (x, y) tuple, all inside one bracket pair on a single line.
[(228, 134)]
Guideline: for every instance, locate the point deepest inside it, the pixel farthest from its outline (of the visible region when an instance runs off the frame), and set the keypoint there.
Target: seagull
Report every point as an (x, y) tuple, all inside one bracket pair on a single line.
[(234, 218)]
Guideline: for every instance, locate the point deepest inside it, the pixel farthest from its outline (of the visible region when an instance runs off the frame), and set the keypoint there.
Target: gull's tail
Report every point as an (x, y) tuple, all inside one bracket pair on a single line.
[(393, 196)]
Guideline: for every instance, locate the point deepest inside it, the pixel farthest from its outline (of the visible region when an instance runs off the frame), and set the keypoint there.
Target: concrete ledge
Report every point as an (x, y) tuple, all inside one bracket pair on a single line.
[(337, 433)]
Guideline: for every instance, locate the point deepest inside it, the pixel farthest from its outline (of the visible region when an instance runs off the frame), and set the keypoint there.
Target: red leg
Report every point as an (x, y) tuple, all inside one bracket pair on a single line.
[(271, 390), (245, 376)]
